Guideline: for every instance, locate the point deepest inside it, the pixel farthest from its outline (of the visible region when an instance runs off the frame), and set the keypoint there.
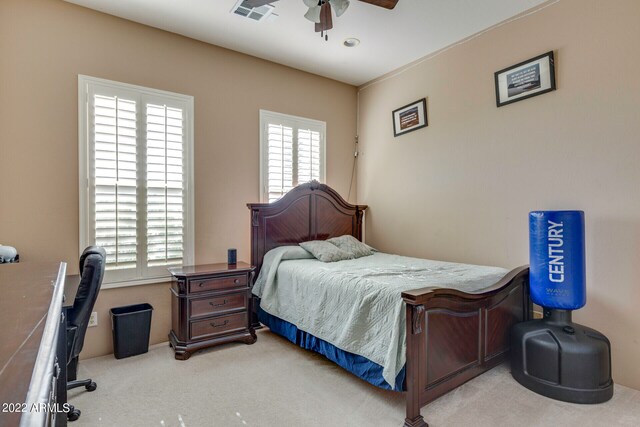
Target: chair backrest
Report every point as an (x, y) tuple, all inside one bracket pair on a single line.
[(92, 265)]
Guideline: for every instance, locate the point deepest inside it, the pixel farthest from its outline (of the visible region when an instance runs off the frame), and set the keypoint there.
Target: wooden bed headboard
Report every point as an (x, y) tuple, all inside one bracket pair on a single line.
[(311, 211)]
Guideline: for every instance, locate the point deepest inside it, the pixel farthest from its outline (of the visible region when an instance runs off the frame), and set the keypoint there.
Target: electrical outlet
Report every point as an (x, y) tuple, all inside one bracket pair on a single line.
[(93, 320)]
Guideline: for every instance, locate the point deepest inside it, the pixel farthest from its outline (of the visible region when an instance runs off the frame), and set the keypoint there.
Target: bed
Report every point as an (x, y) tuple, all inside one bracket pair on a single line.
[(448, 335)]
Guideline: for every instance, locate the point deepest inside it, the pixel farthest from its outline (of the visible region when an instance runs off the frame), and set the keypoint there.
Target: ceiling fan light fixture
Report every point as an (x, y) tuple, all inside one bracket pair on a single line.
[(340, 6), (313, 14)]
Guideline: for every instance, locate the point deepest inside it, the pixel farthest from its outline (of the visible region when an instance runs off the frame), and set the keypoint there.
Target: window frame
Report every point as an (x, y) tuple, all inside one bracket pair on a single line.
[(143, 95), (294, 122)]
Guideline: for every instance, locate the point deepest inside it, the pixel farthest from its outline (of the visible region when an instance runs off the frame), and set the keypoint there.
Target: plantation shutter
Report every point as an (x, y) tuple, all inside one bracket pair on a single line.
[(308, 155), (280, 160), (115, 172), (165, 179), (293, 153), (135, 164)]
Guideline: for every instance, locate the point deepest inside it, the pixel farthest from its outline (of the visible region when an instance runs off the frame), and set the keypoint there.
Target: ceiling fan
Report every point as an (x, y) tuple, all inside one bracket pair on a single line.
[(320, 10)]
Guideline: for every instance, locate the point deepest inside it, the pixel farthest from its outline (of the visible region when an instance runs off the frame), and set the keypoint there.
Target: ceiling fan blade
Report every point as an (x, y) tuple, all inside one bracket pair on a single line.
[(313, 14), (340, 6), (310, 3), (326, 22), (258, 3), (387, 4)]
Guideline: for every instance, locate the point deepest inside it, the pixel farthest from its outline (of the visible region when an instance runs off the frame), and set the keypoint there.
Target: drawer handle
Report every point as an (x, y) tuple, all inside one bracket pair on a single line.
[(213, 324), (201, 284), (224, 302), (237, 281)]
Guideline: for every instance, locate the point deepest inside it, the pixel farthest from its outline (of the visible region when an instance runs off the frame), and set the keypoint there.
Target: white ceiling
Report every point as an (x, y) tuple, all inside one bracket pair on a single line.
[(389, 38)]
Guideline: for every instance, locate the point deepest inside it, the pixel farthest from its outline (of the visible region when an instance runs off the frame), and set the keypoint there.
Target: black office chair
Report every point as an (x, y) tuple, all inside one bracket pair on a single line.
[(92, 264)]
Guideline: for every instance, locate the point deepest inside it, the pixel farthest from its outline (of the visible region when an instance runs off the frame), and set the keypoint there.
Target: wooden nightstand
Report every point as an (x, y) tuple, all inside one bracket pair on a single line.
[(210, 305)]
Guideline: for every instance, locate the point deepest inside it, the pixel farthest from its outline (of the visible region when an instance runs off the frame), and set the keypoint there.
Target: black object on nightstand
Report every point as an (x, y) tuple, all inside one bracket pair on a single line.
[(210, 305), (232, 256)]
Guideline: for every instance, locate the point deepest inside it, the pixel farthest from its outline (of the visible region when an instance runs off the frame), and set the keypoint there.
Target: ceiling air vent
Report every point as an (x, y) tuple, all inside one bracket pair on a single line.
[(243, 8)]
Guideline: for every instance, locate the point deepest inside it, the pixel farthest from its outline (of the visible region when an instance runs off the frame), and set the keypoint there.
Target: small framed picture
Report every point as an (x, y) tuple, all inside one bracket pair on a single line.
[(410, 117), (526, 79)]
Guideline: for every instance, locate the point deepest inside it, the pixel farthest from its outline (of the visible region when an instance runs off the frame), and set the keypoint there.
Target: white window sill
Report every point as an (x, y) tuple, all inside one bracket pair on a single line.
[(138, 282)]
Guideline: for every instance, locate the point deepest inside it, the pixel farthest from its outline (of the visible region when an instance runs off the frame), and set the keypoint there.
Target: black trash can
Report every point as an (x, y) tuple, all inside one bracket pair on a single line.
[(131, 326)]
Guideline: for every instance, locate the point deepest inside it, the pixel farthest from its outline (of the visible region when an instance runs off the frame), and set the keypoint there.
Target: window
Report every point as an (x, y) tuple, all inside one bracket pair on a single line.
[(136, 178), (292, 151)]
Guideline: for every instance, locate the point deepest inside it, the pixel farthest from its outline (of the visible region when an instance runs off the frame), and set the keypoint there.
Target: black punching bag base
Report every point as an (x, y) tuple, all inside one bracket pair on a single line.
[(562, 360)]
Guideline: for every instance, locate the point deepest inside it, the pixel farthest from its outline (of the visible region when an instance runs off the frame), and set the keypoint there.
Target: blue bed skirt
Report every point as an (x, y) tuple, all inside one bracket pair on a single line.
[(358, 365)]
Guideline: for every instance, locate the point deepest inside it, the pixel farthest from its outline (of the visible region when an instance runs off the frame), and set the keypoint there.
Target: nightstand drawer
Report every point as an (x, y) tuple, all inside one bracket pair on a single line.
[(219, 325), (218, 305), (201, 285)]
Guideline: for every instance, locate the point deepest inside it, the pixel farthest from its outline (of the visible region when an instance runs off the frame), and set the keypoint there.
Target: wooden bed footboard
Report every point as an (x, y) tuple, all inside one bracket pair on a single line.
[(453, 336)]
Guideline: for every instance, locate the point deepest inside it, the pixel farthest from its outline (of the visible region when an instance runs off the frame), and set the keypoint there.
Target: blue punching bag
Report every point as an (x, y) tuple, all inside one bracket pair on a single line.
[(557, 261), (554, 356)]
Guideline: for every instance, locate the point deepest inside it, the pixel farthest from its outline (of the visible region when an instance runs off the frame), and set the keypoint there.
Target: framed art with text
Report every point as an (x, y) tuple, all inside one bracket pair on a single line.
[(410, 117), (525, 80)]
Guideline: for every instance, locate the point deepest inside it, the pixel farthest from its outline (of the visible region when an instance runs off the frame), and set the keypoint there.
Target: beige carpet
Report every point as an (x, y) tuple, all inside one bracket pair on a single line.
[(274, 383)]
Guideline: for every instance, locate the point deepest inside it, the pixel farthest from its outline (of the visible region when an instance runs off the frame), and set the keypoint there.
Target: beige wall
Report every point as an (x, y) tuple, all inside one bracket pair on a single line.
[(45, 44), (461, 189)]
